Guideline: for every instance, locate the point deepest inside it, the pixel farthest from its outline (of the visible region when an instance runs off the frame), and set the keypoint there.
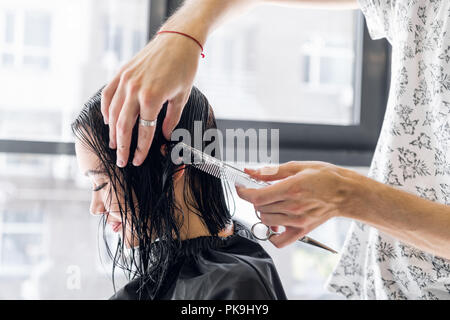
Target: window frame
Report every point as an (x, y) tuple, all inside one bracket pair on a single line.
[(351, 145)]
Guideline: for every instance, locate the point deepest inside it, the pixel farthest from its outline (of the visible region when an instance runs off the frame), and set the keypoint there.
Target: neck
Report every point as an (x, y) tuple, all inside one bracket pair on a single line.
[(193, 226)]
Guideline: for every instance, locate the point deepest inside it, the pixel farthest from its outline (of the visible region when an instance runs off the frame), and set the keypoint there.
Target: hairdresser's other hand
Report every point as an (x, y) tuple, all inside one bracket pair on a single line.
[(163, 70), (308, 194)]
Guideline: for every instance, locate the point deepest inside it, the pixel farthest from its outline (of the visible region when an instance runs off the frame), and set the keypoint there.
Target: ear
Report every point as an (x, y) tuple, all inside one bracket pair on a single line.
[(179, 173)]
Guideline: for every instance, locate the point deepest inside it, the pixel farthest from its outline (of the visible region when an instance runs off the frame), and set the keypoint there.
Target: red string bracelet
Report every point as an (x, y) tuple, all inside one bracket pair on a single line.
[(186, 35)]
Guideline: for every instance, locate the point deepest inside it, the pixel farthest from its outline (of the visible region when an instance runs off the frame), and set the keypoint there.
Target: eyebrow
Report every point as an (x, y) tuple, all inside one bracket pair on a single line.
[(94, 172)]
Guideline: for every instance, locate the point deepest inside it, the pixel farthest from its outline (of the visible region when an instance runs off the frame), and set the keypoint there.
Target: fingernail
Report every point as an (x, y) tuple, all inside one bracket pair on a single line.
[(111, 145), (120, 163), (135, 162)]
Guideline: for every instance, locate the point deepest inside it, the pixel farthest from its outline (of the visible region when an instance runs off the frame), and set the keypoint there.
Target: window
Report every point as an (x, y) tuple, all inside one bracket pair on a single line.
[(53, 54), (27, 39), (37, 29), (50, 63), (21, 239), (9, 27)]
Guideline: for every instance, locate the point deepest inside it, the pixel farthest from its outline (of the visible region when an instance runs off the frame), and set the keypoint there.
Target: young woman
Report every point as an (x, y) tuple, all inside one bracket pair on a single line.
[(177, 237)]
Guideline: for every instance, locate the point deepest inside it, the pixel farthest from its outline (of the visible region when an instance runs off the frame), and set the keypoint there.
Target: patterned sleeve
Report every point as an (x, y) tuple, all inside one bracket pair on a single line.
[(378, 14)]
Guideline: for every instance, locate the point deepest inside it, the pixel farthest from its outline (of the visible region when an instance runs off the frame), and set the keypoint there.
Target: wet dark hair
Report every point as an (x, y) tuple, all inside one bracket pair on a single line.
[(148, 191)]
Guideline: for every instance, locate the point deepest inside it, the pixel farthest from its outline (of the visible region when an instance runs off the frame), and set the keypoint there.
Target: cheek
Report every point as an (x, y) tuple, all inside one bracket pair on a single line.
[(111, 199)]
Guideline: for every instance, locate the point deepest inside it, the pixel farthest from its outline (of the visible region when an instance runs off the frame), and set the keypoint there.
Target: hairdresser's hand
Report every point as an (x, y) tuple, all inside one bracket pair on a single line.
[(308, 194), (163, 70)]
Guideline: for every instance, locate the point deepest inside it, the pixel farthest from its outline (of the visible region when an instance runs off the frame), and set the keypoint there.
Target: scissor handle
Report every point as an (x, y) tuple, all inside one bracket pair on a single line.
[(257, 214), (269, 232)]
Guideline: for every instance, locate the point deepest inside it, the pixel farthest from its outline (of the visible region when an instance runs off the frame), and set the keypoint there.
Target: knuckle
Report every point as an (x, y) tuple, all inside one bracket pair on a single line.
[(256, 200), (292, 192), (145, 97), (290, 163), (123, 149), (300, 221), (125, 76), (132, 86), (122, 127), (112, 118), (293, 207), (114, 111), (106, 93)]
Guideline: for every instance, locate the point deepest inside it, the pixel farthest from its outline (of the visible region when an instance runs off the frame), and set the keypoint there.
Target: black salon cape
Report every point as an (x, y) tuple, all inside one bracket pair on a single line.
[(215, 268)]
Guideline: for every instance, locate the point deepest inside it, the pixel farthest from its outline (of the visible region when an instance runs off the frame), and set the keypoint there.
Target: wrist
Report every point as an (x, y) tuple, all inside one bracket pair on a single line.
[(359, 191), (199, 17)]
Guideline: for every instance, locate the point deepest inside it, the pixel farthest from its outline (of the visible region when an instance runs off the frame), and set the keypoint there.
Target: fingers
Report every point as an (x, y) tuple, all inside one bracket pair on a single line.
[(275, 228), (282, 219), (174, 111), (274, 219), (287, 206), (290, 235), (272, 173), (114, 112), (107, 96), (150, 105), (108, 93), (259, 197), (125, 123)]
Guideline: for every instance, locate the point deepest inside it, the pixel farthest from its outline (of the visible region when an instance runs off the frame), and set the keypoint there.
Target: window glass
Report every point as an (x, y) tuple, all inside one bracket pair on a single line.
[(51, 62), (37, 29), (36, 62), (9, 27), (7, 60), (50, 51), (50, 246)]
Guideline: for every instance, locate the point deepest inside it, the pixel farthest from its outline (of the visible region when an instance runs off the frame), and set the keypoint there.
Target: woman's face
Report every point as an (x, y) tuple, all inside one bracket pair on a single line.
[(104, 199)]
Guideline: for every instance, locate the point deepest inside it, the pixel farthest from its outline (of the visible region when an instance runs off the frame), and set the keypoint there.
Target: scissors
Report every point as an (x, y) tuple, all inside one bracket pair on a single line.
[(265, 232), (222, 170)]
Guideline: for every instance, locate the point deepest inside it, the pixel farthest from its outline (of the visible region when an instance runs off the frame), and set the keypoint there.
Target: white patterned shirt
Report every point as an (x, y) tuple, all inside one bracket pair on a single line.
[(412, 154)]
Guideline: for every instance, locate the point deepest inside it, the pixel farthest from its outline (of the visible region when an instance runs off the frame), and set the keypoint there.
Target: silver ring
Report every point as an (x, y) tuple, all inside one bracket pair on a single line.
[(147, 123)]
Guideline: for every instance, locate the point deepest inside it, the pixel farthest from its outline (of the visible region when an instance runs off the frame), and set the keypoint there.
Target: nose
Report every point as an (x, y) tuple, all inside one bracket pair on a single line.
[(97, 207)]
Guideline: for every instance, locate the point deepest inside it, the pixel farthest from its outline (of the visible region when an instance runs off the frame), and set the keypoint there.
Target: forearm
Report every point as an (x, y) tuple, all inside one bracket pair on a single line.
[(200, 17), (422, 223), (318, 4)]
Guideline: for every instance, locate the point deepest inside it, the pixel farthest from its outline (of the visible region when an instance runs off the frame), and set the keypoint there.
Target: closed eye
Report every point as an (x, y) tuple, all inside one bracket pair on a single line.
[(100, 187)]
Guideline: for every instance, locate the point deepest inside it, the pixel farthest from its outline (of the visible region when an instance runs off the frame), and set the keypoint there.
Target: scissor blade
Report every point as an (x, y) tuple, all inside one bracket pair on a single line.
[(316, 243)]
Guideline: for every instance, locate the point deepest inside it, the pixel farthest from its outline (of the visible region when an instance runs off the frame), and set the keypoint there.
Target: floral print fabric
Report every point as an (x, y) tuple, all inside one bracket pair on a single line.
[(412, 154)]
